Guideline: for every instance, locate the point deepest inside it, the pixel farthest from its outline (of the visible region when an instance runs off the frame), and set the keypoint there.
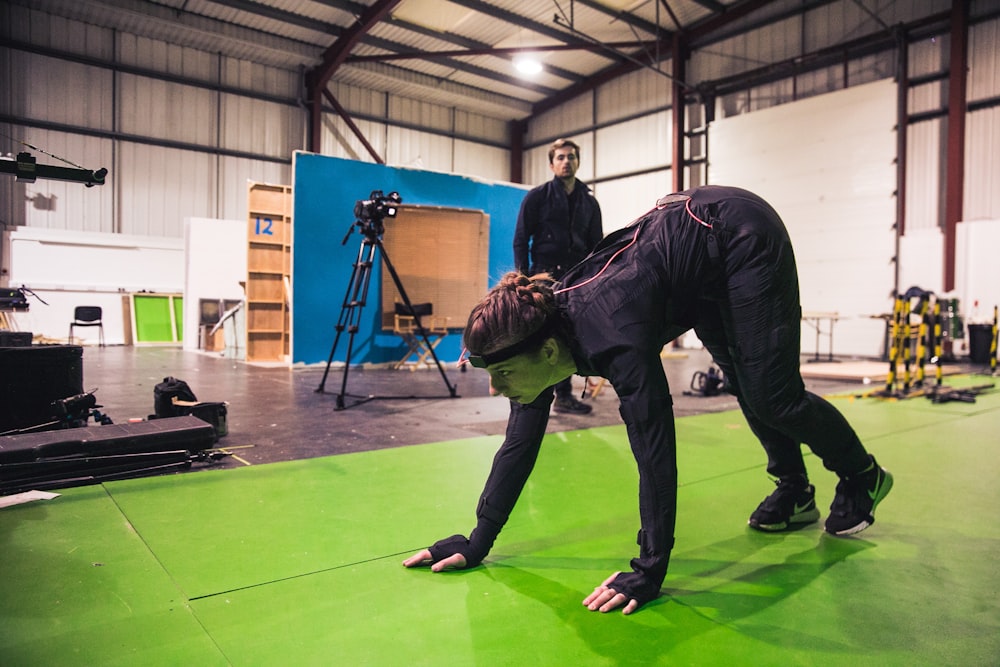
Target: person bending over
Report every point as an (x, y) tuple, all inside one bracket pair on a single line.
[(718, 260)]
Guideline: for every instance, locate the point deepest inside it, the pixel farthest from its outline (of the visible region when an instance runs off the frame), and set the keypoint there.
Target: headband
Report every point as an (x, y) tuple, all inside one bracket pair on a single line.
[(533, 340)]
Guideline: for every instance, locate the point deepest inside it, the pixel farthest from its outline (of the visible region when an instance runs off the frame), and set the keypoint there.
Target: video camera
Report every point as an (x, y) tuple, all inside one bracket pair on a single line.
[(372, 212)]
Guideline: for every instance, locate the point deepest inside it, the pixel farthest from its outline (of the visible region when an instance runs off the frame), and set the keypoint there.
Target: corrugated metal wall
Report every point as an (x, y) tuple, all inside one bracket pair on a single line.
[(179, 142), (982, 127), (642, 140), (185, 142)]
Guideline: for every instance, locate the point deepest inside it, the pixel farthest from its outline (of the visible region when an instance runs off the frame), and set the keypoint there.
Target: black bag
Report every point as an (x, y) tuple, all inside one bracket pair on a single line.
[(174, 398), (164, 394), (214, 414)]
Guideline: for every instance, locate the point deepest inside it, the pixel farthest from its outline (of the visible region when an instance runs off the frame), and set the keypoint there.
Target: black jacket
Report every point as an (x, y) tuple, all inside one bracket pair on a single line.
[(546, 239)]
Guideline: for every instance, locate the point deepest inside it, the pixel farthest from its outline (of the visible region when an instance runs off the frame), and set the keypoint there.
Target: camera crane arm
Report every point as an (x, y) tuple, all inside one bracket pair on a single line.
[(26, 169)]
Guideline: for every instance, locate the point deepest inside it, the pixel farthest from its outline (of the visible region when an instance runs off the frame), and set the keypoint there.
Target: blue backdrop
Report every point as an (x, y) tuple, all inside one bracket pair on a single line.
[(325, 190)]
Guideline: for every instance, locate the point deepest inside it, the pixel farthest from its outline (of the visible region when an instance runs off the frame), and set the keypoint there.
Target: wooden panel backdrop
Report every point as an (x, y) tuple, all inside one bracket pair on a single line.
[(441, 257)]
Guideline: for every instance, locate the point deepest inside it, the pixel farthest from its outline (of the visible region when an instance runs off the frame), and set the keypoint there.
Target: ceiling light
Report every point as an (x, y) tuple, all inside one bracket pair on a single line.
[(527, 65)]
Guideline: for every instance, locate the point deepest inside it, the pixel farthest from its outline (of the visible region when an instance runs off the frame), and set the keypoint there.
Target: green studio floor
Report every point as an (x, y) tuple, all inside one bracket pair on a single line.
[(298, 563)]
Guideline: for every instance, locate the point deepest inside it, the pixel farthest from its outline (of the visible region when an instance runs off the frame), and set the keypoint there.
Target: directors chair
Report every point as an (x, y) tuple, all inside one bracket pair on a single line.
[(405, 326), (87, 316)]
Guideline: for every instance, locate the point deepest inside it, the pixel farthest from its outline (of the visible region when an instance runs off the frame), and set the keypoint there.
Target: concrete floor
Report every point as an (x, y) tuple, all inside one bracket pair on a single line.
[(276, 414), (299, 562)]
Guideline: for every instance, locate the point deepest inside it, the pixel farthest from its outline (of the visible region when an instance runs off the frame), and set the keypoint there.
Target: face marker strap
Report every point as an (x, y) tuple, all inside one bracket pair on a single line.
[(525, 344)]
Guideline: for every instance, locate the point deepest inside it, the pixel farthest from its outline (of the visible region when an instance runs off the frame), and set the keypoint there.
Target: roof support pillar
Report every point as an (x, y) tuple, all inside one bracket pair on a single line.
[(955, 161)]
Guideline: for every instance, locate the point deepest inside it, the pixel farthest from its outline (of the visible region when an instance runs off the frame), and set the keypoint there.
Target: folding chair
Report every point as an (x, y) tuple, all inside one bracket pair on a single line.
[(405, 326)]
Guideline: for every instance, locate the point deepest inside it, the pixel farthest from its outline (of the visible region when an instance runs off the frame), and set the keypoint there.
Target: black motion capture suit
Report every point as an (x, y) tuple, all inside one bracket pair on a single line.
[(714, 258)]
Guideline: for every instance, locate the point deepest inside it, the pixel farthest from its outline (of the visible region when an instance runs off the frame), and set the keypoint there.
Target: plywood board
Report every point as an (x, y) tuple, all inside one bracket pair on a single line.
[(441, 257)]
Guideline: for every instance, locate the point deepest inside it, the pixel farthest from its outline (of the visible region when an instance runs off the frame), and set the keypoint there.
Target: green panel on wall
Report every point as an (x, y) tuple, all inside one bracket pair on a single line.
[(153, 321)]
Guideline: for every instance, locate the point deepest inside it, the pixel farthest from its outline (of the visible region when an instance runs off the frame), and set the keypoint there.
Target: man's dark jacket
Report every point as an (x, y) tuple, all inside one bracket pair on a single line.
[(546, 238)]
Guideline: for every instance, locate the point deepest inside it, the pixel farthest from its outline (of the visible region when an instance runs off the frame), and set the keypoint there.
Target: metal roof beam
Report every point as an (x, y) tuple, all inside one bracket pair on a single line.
[(517, 20), (394, 47), (476, 47), (625, 17), (634, 60)]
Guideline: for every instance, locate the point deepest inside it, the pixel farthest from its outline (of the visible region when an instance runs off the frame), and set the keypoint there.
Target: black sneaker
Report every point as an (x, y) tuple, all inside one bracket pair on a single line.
[(570, 405), (857, 496), (794, 501)]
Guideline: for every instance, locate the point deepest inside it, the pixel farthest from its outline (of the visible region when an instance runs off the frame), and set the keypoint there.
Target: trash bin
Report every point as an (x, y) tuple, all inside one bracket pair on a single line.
[(980, 340)]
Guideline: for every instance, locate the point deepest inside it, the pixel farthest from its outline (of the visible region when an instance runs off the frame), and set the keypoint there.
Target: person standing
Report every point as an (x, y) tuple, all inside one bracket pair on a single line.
[(558, 225)]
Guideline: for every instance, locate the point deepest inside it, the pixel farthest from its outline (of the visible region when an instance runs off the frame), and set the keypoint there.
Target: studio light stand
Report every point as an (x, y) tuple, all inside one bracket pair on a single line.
[(370, 218)]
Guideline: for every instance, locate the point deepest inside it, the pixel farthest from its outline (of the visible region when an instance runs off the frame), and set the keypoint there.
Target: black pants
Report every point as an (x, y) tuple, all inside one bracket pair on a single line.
[(753, 333), (564, 389)]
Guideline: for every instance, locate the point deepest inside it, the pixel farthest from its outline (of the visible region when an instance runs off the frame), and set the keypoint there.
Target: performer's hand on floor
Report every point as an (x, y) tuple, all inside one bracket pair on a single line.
[(423, 557), (606, 599)]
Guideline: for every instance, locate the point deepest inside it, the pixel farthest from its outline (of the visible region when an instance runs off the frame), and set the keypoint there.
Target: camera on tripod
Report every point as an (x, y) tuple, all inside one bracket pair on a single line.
[(371, 212)]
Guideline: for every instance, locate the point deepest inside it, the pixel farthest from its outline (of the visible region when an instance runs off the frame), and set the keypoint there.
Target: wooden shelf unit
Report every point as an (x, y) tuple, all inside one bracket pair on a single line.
[(269, 262)]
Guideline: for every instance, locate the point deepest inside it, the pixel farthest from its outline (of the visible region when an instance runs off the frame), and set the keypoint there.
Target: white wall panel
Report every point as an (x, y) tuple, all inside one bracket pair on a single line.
[(234, 175), (421, 114), (638, 144), (625, 199), (41, 28), (931, 96), (977, 272), (72, 268), (339, 140), (257, 126), (982, 164), (921, 260), (261, 78), (162, 186), (166, 110), (215, 262), (772, 94), (421, 150), (773, 43), (488, 129), (706, 64), (362, 101), (638, 92), (928, 56), (826, 165), (536, 165), (486, 162), (830, 22), (819, 82), (563, 121), (163, 57), (871, 68), (46, 89), (925, 176), (984, 60)]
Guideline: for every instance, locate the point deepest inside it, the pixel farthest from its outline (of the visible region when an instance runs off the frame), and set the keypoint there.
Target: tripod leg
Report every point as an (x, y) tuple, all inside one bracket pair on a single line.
[(360, 276), (357, 306), (416, 318)]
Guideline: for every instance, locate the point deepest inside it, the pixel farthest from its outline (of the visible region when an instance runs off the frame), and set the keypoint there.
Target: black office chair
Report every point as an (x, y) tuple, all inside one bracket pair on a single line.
[(87, 316)]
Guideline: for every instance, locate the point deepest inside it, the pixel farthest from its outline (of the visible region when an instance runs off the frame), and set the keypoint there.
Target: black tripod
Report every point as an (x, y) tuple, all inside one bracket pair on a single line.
[(357, 296)]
